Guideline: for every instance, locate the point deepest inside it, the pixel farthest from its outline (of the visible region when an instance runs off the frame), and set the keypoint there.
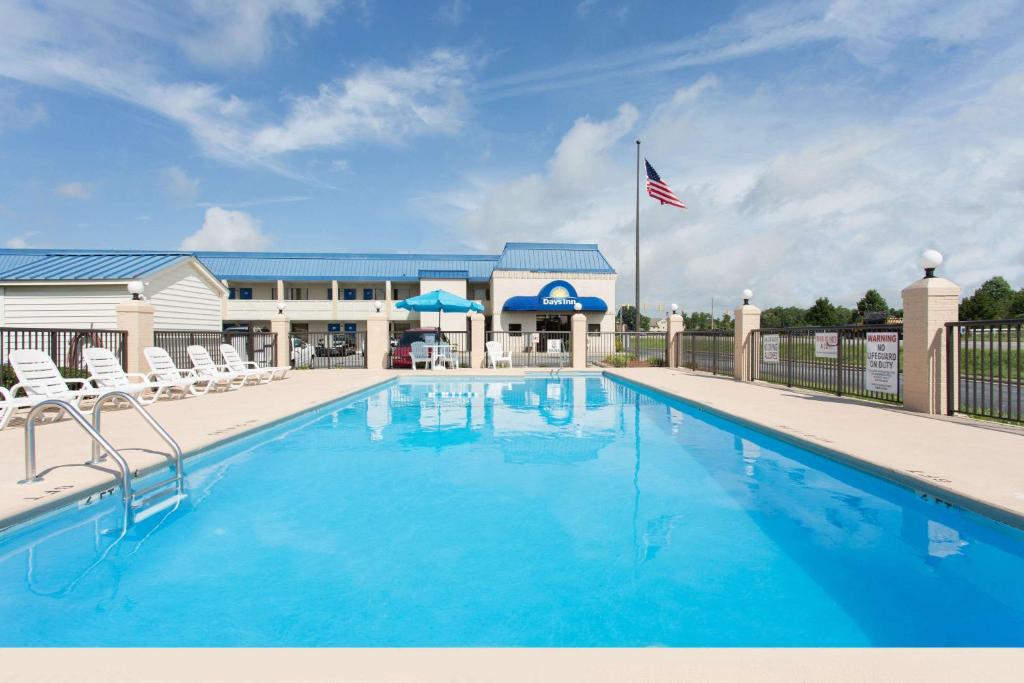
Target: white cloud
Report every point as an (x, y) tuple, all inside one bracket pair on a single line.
[(96, 48), (787, 196), (179, 184), (453, 12), (234, 32), (382, 103), (225, 230), (73, 190), (21, 241)]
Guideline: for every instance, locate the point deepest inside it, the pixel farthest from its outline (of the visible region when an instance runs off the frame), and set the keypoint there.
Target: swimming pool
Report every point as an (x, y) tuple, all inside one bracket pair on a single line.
[(576, 511)]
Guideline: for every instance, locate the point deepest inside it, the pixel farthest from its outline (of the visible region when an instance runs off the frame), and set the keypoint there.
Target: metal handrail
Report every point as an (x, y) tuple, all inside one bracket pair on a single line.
[(98, 442), (134, 403)]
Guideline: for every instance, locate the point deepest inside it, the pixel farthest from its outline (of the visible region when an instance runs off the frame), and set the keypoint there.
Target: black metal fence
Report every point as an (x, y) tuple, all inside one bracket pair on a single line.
[(64, 346), (707, 350), (260, 347), (328, 350), (983, 369), (535, 349), (849, 360), (400, 347), (626, 349)]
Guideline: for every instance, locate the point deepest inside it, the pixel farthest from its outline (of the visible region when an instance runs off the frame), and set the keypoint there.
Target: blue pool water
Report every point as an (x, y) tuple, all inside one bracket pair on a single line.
[(571, 512)]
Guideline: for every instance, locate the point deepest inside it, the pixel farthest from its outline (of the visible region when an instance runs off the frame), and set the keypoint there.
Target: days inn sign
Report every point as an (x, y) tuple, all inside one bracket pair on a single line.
[(557, 295)]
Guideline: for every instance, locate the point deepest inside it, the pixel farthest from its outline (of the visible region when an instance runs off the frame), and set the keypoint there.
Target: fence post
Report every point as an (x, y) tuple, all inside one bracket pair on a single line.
[(748, 319), (476, 340), (673, 338), (280, 327), (377, 341), (928, 305), (578, 342), (135, 317)]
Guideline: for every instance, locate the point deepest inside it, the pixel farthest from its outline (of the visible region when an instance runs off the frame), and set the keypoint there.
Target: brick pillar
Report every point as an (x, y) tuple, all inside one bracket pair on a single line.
[(377, 341), (748, 319), (578, 343), (928, 305), (282, 327), (136, 318), (476, 340), (673, 338)]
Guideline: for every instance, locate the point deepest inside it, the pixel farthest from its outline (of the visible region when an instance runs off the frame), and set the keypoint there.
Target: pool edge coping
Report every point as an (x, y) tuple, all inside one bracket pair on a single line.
[(967, 502)]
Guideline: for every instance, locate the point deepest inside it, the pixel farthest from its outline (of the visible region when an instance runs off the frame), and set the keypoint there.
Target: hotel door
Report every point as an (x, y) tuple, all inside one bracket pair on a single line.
[(552, 327)]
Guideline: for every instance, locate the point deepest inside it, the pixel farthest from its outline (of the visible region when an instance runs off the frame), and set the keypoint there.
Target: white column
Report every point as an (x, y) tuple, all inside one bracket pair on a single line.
[(477, 340), (673, 338), (928, 305), (377, 342), (136, 318), (748, 319), (578, 330), (282, 327)]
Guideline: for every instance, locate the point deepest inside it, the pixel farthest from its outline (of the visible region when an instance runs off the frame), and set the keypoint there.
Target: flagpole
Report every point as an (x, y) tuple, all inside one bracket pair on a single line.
[(636, 311)]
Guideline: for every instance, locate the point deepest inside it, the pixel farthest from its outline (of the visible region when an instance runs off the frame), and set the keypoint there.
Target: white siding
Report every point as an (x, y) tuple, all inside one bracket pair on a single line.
[(69, 306), (184, 300)]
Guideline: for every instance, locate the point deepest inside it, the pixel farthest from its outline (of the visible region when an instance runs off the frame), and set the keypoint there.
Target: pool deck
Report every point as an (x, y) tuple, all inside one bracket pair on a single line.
[(975, 465)]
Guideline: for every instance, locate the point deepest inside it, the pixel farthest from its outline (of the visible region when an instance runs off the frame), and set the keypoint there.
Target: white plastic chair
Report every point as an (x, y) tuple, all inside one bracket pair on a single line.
[(9, 405), (496, 354), (234, 363), (418, 354), (164, 371), (105, 372), (232, 357), (207, 369), (446, 355), (39, 378)]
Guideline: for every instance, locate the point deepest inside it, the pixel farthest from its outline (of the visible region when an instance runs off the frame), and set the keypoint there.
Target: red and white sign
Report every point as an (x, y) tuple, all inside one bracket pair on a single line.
[(826, 344)]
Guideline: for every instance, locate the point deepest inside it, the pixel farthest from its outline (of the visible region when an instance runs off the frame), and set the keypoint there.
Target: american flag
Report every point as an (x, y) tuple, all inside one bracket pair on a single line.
[(659, 189)]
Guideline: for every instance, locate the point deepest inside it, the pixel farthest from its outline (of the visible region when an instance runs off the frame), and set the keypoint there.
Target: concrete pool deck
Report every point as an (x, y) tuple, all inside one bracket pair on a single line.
[(973, 465)]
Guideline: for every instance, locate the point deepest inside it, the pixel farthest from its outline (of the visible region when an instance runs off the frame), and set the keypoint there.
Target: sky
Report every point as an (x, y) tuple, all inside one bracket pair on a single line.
[(819, 146)]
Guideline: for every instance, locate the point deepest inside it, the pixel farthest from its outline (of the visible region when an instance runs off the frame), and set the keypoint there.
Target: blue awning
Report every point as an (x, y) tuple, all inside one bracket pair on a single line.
[(556, 296)]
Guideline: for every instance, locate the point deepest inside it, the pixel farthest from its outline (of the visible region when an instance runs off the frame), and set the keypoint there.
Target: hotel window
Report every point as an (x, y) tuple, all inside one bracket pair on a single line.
[(367, 293), (245, 293), (350, 295), (330, 294), (231, 292), (515, 328), (593, 328), (294, 294), (482, 294)]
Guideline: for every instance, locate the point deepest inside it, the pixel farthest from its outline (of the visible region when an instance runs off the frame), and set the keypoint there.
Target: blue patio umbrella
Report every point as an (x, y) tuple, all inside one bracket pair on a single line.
[(440, 301)]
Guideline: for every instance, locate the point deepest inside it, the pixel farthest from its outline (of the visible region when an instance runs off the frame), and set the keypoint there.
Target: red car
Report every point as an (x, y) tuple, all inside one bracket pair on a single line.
[(400, 353)]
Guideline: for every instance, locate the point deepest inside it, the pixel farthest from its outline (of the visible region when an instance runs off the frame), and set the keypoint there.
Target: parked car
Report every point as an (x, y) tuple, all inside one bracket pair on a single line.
[(400, 353), (335, 345)]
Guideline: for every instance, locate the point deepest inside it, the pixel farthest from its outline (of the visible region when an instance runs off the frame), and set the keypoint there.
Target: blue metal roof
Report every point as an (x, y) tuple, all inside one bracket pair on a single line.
[(86, 265), (444, 274), (553, 258), (344, 267), (100, 264)]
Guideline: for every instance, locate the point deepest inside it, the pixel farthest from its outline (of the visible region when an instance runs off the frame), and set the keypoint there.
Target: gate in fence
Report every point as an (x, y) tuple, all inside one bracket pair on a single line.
[(707, 350), (259, 347), (983, 369), (328, 349), (849, 360), (64, 346)]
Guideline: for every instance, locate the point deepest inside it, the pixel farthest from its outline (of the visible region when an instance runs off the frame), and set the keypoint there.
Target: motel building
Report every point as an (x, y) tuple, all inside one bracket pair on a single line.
[(527, 288)]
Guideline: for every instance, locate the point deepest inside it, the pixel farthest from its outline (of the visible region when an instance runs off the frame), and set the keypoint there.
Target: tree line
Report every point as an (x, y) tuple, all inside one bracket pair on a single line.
[(995, 299)]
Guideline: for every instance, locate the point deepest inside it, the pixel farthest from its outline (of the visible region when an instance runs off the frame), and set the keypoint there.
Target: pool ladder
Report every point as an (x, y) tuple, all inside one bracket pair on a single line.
[(138, 504)]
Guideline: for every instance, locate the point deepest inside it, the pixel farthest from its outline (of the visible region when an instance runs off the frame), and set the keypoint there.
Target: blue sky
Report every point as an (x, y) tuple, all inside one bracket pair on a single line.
[(820, 146)]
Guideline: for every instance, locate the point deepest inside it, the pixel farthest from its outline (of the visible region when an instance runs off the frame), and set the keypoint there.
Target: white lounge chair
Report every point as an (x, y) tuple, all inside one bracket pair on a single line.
[(39, 377), (164, 371), (496, 354), (9, 405), (418, 354), (233, 361), (217, 374), (105, 372)]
